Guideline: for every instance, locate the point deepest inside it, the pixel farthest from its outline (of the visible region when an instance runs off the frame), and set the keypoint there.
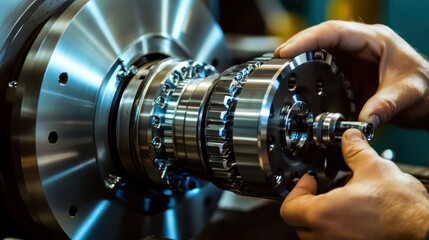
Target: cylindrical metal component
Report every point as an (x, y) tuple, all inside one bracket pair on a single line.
[(64, 154), (328, 129), (324, 129), (247, 130), (366, 128), (297, 133), (103, 121)]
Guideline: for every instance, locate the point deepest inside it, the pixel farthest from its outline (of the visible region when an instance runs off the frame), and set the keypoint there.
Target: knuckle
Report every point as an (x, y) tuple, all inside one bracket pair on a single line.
[(332, 24), (354, 151), (383, 29), (390, 106), (386, 107)]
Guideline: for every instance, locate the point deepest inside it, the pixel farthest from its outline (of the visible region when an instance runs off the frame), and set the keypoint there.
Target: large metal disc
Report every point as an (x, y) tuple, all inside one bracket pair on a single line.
[(67, 77)]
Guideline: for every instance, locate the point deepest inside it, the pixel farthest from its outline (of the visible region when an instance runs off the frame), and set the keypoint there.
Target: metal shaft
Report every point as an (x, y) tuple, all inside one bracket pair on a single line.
[(366, 128), (328, 129)]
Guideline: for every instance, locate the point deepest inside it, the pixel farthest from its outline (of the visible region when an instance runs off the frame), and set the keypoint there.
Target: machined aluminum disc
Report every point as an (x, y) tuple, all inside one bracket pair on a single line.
[(276, 96), (61, 108)]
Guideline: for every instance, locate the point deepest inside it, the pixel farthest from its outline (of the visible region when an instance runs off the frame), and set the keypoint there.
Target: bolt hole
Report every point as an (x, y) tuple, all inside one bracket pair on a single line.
[(294, 178), (53, 137), (73, 211), (271, 145), (292, 82), (320, 87), (63, 78)]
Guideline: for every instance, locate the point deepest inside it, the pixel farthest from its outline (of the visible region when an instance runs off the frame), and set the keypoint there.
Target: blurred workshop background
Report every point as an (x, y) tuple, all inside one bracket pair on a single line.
[(253, 27)]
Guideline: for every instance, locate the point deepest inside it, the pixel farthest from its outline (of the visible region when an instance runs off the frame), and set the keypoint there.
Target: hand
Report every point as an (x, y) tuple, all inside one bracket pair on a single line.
[(378, 202), (389, 78)]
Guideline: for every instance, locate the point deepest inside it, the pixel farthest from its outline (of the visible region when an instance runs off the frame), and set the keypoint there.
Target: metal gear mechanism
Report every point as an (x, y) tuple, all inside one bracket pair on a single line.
[(118, 116)]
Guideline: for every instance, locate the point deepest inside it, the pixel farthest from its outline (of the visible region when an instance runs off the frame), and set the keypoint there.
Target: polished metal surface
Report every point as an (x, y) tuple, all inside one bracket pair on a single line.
[(121, 115), (328, 129), (264, 155), (249, 129), (178, 105), (12, 11), (18, 18), (297, 120), (219, 124), (73, 68)]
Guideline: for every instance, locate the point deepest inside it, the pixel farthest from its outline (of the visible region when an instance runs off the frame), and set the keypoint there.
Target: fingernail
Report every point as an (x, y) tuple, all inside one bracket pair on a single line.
[(281, 45), (353, 135), (282, 48), (313, 174), (374, 120), (276, 52)]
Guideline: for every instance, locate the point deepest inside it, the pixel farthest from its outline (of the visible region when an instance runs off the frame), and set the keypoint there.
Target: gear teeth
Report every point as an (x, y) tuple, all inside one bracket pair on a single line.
[(166, 103), (219, 119), (216, 130), (219, 148)]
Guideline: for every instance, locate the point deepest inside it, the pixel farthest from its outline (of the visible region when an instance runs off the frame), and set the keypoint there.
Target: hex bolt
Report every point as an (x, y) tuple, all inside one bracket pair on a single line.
[(13, 84), (156, 121), (115, 181), (156, 142)]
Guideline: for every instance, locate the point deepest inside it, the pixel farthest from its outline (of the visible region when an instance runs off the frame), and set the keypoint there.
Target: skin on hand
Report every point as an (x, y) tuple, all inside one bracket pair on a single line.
[(378, 202), (389, 78)]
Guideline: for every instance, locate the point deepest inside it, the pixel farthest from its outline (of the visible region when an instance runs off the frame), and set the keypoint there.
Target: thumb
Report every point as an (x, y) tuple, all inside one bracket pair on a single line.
[(356, 151)]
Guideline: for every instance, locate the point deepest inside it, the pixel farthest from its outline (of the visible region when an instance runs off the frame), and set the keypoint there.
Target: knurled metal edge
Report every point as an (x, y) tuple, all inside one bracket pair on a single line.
[(164, 111), (219, 121), (162, 119)]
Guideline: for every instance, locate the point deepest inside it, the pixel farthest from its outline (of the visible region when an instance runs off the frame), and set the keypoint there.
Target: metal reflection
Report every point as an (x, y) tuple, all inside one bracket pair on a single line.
[(104, 26), (171, 225), (86, 40), (68, 172), (93, 219), (183, 19)]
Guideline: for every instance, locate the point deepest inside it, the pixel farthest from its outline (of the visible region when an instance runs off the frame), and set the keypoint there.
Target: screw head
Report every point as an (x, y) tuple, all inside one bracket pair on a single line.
[(13, 84), (115, 182), (156, 142)]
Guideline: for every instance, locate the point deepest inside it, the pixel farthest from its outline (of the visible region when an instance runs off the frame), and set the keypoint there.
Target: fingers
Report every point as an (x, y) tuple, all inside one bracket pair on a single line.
[(344, 36), (390, 100), (307, 185), (296, 205), (356, 150)]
